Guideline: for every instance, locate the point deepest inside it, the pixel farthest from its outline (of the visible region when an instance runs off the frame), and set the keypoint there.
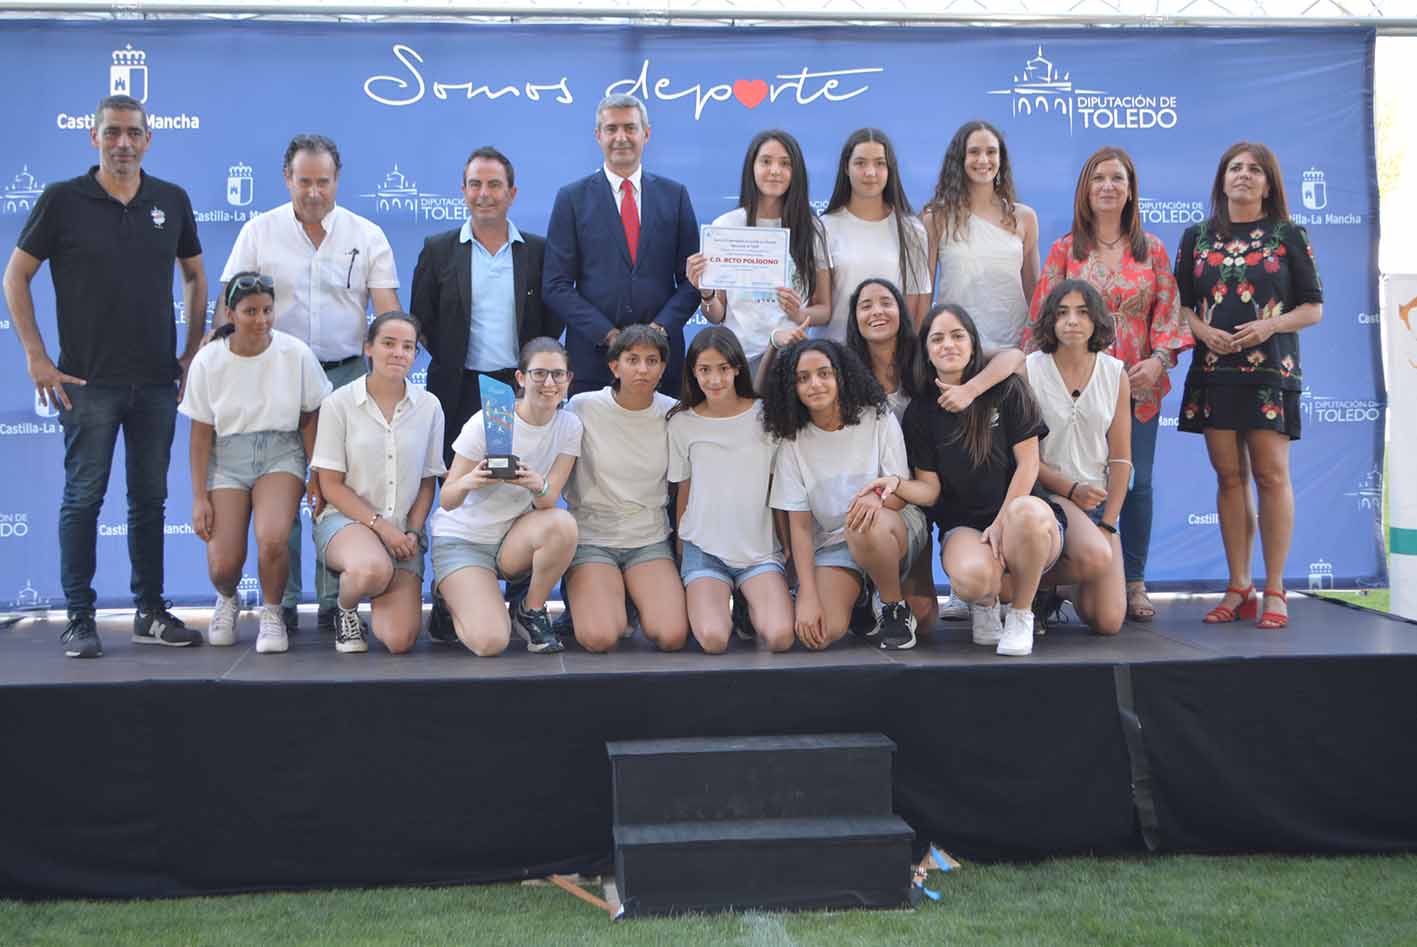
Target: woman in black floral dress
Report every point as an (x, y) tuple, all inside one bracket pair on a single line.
[(1248, 285)]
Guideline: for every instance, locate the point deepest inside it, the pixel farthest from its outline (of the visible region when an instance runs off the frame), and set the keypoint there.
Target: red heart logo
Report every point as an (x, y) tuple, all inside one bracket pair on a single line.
[(750, 92)]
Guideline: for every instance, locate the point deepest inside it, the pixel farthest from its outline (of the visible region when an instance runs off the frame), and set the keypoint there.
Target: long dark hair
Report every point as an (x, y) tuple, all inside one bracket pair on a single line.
[(894, 195), (949, 206), (975, 435), (907, 345), (1085, 226), (722, 340), (1275, 205), (857, 390), (233, 294), (797, 215)]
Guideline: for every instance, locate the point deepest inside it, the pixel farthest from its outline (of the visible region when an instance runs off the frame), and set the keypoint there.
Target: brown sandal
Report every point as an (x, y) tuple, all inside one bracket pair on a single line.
[(1139, 605)]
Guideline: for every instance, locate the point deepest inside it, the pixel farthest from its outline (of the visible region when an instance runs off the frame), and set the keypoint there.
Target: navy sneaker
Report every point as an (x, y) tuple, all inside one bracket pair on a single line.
[(742, 621), (863, 617), (534, 624), (80, 638), (157, 625), (440, 622), (897, 627)]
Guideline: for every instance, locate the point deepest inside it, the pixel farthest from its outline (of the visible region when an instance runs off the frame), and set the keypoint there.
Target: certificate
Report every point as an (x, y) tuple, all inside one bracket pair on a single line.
[(745, 258)]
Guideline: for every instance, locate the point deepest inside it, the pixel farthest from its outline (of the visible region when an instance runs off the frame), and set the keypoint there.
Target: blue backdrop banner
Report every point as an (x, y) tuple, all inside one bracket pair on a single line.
[(406, 103)]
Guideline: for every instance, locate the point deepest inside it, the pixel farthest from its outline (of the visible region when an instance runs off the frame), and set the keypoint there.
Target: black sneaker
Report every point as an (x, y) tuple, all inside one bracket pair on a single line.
[(160, 626), (742, 621), (534, 624), (327, 623), (350, 633), (290, 617), (863, 620), (80, 638), (897, 627), (440, 622)]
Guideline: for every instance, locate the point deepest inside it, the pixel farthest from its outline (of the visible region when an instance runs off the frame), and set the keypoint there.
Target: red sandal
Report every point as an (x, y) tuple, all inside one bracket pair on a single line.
[(1270, 621), (1248, 607)]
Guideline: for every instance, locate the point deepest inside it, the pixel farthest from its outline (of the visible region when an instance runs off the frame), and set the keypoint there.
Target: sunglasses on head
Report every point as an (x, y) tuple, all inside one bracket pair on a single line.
[(249, 283)]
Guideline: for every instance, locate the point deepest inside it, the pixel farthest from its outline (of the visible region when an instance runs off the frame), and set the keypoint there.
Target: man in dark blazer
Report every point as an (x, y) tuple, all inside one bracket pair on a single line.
[(615, 251), (477, 293)]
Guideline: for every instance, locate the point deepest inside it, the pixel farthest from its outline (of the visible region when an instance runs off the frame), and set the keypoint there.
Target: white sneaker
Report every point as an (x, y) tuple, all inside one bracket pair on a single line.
[(987, 627), (349, 632), (222, 630), (271, 639), (954, 609), (1017, 640)]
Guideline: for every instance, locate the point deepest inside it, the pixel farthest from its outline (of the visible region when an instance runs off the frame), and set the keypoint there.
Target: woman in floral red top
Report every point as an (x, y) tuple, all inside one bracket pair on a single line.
[(1132, 271), (1248, 285)]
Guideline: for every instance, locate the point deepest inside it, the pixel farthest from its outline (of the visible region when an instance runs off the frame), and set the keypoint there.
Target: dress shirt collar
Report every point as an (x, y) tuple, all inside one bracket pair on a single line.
[(513, 234), (615, 180), (361, 391)]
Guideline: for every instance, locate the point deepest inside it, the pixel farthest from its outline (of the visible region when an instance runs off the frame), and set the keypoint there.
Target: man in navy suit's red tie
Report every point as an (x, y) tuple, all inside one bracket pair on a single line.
[(615, 250)]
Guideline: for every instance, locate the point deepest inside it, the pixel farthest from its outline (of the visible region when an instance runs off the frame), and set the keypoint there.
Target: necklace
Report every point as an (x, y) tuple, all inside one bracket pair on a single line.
[(1075, 387), (1111, 244)]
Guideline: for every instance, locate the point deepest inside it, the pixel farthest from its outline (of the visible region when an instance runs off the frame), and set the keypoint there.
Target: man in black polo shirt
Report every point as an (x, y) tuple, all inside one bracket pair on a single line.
[(111, 237)]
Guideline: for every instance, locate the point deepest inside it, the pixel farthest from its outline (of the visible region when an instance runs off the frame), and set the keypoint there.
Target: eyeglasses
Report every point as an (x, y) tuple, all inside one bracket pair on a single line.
[(539, 375), (248, 283)]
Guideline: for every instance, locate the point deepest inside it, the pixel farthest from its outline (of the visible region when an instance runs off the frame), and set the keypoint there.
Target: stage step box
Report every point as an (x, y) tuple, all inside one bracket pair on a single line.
[(700, 779), (775, 864)]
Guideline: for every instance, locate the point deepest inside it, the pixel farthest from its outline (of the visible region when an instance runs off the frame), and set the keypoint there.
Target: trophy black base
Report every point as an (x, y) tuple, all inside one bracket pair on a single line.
[(503, 466)]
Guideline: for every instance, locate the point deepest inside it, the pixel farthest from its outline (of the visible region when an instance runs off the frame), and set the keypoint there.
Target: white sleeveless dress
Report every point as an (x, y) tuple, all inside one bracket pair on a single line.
[(1077, 428), (981, 272)]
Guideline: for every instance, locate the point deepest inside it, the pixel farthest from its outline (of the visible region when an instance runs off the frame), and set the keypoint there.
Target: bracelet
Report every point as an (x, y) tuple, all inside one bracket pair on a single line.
[(374, 519), (1071, 489), (1103, 524), (545, 488)]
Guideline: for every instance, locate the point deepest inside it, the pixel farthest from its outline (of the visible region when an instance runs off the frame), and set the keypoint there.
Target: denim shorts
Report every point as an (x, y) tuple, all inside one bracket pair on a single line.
[(1060, 517), (239, 460), (698, 564), (332, 521), (451, 555), (621, 557), (917, 537)]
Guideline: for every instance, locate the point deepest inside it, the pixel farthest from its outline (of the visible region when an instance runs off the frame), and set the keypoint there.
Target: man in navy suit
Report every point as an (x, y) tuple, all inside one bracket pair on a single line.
[(616, 248)]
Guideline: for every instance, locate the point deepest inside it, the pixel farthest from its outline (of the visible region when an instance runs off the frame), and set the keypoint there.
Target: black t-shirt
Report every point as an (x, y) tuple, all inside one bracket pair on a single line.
[(112, 266), (969, 495)]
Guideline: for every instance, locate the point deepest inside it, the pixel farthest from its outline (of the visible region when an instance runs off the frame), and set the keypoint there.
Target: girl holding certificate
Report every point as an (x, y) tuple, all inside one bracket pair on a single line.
[(773, 193)]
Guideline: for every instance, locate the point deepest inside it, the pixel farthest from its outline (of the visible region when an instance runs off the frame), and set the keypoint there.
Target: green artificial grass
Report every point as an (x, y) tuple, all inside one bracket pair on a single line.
[(1376, 599), (1159, 900)]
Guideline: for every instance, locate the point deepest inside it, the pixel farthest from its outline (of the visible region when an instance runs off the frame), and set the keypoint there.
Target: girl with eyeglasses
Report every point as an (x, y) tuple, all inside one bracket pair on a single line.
[(837, 436), (488, 529), (619, 495), (370, 533), (252, 394), (722, 461)]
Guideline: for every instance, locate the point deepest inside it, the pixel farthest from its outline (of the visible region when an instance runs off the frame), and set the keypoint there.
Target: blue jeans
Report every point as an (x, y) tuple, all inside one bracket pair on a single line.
[(148, 415), (1135, 525)]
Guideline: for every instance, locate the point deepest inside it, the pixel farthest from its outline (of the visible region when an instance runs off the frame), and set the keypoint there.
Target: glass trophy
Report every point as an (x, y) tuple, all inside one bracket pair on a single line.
[(498, 416)]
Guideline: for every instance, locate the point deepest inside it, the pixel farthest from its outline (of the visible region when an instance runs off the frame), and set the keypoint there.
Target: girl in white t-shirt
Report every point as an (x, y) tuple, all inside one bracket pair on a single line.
[(488, 528), (1087, 456), (619, 495), (379, 452), (837, 435), (722, 460), (252, 394), (773, 193), (872, 230)]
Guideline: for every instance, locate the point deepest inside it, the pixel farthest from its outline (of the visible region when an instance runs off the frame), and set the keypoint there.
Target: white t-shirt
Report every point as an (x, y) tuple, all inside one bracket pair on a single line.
[(322, 294), (822, 471), (487, 514), (1076, 443), (618, 490), (729, 463), (383, 462), (864, 249), (753, 316), (240, 394)]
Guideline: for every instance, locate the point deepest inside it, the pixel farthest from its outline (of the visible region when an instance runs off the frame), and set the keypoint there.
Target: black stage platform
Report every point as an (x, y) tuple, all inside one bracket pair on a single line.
[(157, 772)]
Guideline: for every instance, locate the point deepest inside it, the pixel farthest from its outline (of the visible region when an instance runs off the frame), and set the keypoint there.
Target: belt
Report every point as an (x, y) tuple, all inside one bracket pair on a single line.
[(338, 363)]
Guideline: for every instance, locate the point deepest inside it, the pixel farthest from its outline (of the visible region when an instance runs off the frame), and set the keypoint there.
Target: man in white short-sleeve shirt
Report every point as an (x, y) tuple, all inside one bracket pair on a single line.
[(328, 264)]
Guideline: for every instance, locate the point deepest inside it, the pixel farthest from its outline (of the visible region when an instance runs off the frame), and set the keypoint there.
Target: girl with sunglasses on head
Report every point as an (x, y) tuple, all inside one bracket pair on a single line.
[(773, 193), (1087, 455), (252, 394), (619, 496), (488, 528), (872, 230), (722, 460), (370, 533), (837, 437)]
